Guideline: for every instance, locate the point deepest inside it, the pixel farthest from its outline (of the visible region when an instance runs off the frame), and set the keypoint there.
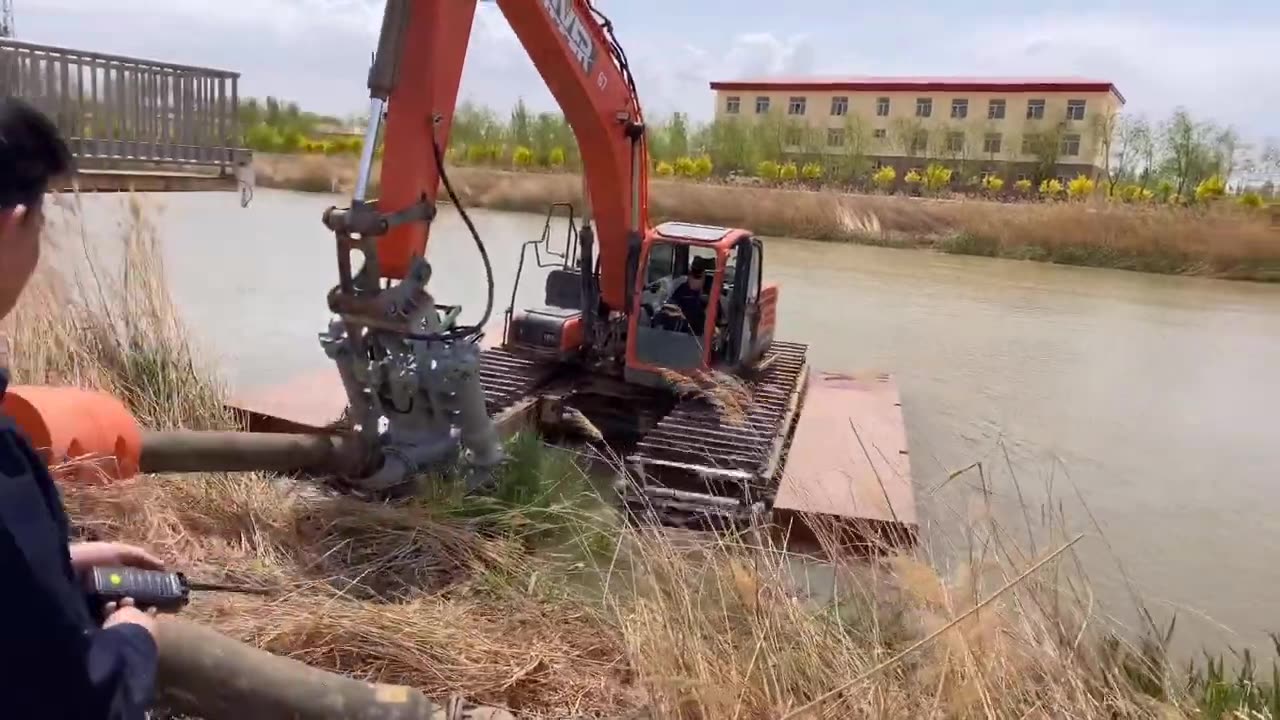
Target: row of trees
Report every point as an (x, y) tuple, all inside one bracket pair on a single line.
[(273, 125), (1164, 160), (1170, 159)]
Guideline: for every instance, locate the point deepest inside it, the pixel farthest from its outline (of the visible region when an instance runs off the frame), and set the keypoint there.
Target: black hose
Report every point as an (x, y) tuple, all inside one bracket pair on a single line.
[(475, 235), (461, 331)]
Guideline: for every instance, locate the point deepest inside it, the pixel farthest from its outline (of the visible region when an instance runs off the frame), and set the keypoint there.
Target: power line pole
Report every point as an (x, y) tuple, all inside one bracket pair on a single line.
[(6, 18)]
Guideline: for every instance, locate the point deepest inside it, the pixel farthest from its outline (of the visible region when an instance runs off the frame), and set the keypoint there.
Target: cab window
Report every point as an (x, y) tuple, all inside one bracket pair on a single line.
[(662, 260)]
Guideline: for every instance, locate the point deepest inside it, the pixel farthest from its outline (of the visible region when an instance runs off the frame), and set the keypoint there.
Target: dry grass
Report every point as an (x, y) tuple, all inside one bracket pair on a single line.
[(729, 395), (1225, 241), (457, 598)]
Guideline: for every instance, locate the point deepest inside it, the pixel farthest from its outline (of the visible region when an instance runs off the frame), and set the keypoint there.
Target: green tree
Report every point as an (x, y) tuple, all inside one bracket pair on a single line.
[(520, 127), (811, 171), (702, 167), (678, 135), (1188, 156), (788, 172), (664, 169), (522, 157), (729, 145), (850, 161), (768, 170), (1046, 148), (556, 157), (768, 138), (910, 136)]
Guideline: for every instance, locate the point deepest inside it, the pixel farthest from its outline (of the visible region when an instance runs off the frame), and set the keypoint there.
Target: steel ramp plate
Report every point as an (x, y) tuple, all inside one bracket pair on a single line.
[(848, 460)]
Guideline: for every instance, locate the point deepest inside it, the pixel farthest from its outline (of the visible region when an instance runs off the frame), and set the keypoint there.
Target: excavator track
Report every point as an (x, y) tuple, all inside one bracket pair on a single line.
[(508, 378), (702, 467)]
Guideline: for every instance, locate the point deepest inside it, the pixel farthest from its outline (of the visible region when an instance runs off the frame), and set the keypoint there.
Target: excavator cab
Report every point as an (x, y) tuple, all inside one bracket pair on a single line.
[(700, 304)]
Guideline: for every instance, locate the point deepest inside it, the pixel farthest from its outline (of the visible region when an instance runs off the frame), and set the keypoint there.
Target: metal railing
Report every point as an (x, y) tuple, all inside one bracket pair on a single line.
[(118, 112)]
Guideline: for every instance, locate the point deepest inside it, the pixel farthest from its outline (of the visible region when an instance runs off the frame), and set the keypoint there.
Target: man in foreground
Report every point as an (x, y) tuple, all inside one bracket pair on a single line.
[(56, 660)]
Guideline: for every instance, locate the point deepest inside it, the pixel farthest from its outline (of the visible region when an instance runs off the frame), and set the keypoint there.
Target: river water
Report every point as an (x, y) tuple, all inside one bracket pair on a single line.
[(1151, 399)]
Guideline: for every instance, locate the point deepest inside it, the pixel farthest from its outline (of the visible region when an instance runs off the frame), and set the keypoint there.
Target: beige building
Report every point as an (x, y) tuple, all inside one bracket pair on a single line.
[(1013, 127)]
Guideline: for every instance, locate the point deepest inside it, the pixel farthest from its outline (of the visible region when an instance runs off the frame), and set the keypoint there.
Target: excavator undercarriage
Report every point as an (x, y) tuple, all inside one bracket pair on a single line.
[(688, 462)]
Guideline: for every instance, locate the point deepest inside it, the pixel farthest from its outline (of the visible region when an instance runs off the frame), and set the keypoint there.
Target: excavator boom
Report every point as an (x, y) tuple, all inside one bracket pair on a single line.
[(586, 74)]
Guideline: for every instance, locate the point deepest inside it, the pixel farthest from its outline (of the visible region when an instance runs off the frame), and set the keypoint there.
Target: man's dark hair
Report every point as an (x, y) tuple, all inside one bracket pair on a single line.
[(31, 154)]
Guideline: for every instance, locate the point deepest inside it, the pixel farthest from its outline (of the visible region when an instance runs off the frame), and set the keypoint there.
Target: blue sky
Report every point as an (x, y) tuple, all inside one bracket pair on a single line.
[(1223, 64)]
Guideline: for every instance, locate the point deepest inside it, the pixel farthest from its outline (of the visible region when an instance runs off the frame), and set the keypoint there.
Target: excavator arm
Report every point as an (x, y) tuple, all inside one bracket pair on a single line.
[(418, 70), (411, 372)]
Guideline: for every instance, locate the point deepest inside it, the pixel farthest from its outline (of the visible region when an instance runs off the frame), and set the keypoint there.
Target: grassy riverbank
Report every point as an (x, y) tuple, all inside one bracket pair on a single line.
[(540, 601), (1225, 241)]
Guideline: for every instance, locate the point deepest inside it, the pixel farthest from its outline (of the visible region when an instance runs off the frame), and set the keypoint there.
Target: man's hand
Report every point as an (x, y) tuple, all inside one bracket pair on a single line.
[(125, 612), (97, 554)]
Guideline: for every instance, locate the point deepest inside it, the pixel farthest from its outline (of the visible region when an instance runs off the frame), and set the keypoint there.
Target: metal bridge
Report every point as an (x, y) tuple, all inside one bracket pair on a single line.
[(152, 125)]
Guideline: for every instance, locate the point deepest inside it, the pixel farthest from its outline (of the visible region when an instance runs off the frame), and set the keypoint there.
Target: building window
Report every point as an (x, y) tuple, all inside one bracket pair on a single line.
[(840, 105), (1071, 145), (991, 143), (920, 142), (795, 106), (1021, 177), (835, 137), (995, 110), (955, 142), (794, 136), (1075, 109), (959, 108), (877, 165), (732, 104), (882, 107), (879, 133), (762, 105), (1035, 109), (1029, 144), (924, 107)]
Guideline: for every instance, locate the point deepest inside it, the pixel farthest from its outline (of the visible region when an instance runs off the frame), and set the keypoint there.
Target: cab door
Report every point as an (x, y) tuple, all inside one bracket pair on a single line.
[(744, 309)]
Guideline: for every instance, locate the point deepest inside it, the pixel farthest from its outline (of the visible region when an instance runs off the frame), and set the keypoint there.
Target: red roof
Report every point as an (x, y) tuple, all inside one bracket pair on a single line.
[(904, 83)]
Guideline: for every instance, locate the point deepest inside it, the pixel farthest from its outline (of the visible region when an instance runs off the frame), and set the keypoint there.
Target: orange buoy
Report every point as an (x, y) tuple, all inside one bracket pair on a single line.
[(84, 435)]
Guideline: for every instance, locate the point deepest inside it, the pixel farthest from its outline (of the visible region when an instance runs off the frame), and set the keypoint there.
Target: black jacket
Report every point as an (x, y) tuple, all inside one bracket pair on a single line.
[(55, 661)]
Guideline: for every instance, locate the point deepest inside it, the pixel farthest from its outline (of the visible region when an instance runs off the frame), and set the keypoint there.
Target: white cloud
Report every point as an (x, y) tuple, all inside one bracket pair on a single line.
[(1217, 72)]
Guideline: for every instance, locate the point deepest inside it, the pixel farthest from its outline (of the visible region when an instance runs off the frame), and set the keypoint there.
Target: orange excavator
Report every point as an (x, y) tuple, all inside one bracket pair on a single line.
[(658, 340)]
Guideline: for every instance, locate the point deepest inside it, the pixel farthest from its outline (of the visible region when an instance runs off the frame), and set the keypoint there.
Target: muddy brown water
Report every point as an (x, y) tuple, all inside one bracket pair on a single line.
[(1152, 399)]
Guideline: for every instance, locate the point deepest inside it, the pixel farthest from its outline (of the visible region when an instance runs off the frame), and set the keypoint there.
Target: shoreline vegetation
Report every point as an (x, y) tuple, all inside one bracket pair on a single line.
[(539, 600), (1222, 240), (1170, 198)]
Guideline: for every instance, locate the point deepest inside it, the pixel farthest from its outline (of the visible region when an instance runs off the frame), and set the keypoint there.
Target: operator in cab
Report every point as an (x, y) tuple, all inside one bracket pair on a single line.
[(691, 295), (57, 659)]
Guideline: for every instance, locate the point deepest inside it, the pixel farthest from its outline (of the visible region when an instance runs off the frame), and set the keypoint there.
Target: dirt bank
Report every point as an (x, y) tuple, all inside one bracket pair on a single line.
[(1224, 241)]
